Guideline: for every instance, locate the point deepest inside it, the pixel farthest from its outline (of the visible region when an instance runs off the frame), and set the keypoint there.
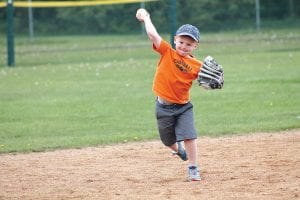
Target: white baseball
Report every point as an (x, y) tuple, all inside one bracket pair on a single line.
[(141, 14)]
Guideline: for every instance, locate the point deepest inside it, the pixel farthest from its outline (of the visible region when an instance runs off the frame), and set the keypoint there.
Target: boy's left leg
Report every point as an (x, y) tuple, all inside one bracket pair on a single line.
[(185, 130), (191, 150)]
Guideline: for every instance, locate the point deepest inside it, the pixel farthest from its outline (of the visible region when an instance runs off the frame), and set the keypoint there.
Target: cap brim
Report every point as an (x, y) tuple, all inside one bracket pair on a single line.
[(188, 34)]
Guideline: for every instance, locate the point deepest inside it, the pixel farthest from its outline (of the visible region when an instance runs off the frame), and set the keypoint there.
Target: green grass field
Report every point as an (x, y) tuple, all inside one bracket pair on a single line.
[(72, 92)]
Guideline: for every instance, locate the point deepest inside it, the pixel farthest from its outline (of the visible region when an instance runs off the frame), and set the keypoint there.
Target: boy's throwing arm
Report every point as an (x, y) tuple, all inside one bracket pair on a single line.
[(143, 16)]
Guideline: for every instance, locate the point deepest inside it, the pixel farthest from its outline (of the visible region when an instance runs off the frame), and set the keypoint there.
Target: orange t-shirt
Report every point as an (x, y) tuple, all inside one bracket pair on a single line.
[(174, 74)]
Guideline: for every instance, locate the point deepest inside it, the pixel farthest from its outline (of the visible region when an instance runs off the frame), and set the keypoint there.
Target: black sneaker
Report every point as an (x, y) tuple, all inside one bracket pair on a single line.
[(181, 152)]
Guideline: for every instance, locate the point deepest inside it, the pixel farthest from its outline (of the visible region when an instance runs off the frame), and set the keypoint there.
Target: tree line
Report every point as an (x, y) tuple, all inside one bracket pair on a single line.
[(208, 15)]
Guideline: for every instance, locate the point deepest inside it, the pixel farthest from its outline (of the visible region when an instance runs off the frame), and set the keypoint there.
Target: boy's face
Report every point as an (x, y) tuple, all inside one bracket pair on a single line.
[(184, 45)]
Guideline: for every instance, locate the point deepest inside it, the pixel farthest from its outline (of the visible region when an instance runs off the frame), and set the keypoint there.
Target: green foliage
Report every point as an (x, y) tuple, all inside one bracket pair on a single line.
[(72, 92), (216, 15), (208, 15)]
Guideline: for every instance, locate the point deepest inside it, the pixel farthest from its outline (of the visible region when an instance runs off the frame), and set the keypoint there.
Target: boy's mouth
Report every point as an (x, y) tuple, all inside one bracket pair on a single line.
[(182, 52)]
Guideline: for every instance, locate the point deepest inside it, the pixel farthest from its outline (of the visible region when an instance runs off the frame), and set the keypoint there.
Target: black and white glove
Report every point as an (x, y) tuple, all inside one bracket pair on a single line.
[(211, 75)]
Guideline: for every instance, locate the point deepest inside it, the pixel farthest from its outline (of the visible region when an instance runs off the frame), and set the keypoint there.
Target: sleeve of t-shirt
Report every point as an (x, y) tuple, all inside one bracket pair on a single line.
[(163, 47)]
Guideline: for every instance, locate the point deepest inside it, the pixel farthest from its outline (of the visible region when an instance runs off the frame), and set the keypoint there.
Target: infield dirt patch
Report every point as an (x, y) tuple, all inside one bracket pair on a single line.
[(256, 166)]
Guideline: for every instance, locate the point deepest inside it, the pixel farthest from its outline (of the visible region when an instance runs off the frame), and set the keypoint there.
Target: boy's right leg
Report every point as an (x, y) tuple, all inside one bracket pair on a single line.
[(166, 122), (178, 149), (166, 125)]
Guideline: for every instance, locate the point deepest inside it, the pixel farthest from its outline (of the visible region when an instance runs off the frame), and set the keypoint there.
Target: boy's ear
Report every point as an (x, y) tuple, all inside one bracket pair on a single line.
[(174, 39), (196, 44)]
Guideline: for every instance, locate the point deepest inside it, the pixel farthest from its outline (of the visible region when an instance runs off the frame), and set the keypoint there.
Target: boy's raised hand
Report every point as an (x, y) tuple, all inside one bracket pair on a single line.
[(142, 14)]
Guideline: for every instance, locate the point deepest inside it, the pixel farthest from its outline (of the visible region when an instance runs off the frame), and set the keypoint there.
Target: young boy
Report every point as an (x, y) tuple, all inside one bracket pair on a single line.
[(173, 79)]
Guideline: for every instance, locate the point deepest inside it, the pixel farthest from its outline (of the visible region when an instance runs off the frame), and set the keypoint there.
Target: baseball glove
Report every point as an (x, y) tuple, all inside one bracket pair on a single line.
[(211, 75)]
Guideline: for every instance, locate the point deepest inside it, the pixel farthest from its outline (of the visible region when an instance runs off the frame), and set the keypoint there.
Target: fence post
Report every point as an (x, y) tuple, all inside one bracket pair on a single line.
[(257, 11), (142, 25), (30, 20), (10, 34), (173, 21)]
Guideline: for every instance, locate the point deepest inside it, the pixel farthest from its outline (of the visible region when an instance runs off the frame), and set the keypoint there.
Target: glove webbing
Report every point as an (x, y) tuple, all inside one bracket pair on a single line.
[(211, 73)]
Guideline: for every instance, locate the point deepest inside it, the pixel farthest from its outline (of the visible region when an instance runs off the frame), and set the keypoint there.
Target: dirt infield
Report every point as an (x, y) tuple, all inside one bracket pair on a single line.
[(257, 166)]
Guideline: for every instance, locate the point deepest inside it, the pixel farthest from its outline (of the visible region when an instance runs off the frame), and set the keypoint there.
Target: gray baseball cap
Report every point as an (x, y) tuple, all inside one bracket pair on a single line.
[(189, 30)]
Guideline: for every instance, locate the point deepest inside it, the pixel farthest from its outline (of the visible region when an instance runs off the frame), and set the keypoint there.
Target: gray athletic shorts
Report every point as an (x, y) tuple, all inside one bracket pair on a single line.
[(175, 122)]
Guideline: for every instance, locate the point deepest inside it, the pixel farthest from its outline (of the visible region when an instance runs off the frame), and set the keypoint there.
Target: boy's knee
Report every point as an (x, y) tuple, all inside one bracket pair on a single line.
[(167, 141)]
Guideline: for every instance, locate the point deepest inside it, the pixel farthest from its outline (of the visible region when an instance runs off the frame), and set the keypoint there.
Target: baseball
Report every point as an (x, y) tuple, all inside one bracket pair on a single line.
[(141, 14)]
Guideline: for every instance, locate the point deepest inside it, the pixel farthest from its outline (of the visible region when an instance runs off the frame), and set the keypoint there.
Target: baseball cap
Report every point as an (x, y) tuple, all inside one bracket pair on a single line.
[(189, 30)]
